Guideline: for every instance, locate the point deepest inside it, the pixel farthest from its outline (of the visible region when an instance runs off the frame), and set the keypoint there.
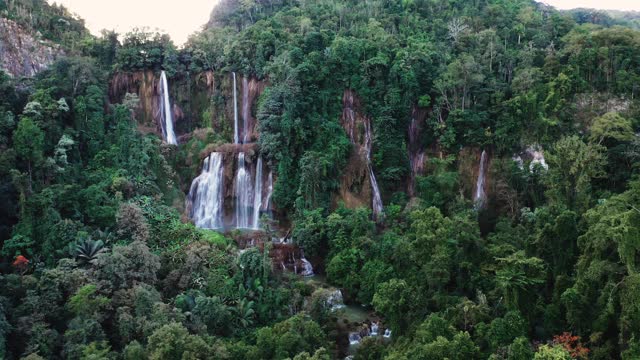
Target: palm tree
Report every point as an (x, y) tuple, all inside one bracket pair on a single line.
[(245, 313), (87, 250)]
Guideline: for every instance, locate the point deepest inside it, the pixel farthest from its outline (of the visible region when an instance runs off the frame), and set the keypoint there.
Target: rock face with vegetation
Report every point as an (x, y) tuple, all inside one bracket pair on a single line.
[(416, 179), (23, 54)]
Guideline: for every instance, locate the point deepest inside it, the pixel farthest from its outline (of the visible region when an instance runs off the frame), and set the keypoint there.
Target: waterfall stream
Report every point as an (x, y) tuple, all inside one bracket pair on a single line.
[(480, 193), (165, 110), (236, 131), (373, 330), (243, 194), (206, 195), (257, 195), (307, 267), (267, 202), (246, 134), (377, 206)]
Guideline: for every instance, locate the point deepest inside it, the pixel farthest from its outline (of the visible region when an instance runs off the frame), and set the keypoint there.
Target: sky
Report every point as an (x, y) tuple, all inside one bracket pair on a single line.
[(177, 18), (595, 4), (182, 18)]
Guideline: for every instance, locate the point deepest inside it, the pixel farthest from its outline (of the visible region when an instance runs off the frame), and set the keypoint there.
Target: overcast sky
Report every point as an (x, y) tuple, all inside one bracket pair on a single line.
[(596, 4), (180, 18)]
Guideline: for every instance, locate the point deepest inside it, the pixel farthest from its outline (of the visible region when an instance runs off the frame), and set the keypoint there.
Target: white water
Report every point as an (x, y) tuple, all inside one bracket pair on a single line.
[(236, 132), (537, 158), (387, 333), (308, 268), (480, 193), (257, 195), (165, 108), (267, 202), (354, 338), (206, 194), (245, 110), (377, 206), (335, 300), (207, 190), (374, 329), (243, 194), (518, 160)]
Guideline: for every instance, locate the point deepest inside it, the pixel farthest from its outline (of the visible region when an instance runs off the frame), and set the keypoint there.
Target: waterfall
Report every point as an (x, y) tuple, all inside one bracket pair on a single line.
[(267, 202), (387, 333), (243, 194), (165, 109), (480, 194), (236, 133), (354, 338), (335, 300), (537, 158), (376, 198), (308, 268), (374, 329), (206, 195), (257, 195), (245, 111)]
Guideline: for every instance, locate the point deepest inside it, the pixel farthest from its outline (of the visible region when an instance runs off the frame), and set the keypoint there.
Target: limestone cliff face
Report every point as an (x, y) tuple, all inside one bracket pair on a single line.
[(202, 100), (416, 151), (355, 185), (23, 53), (145, 85)]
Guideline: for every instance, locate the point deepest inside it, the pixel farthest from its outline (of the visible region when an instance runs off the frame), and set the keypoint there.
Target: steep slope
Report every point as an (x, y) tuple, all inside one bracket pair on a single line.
[(33, 34), (23, 53)]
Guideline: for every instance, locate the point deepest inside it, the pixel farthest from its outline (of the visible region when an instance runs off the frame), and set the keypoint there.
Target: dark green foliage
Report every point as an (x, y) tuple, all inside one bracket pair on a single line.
[(99, 262), (290, 337), (87, 251)]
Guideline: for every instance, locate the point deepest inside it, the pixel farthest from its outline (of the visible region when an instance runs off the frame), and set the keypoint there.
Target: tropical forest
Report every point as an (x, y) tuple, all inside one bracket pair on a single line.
[(322, 179)]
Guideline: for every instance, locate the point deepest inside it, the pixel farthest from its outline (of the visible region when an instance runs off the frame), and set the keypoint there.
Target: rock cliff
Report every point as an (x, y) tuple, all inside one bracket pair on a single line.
[(23, 53)]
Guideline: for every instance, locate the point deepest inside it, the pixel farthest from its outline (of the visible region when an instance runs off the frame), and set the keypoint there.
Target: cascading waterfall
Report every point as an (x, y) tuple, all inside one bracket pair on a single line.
[(236, 131), (245, 110), (354, 338), (537, 158), (308, 268), (378, 208), (335, 301), (373, 330), (267, 202), (243, 194), (165, 109), (206, 195), (257, 195), (480, 193)]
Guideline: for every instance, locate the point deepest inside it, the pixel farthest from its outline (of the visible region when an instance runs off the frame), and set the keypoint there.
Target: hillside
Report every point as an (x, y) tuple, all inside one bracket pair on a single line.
[(33, 35), (416, 179)]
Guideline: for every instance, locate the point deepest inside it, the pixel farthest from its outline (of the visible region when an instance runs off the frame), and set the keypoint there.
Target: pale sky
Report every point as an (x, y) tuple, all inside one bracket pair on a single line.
[(595, 4), (181, 18), (178, 18)]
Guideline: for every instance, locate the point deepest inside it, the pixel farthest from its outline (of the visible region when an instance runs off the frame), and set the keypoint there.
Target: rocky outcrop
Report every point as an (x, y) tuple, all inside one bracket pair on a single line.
[(23, 53), (145, 84), (251, 90), (417, 153), (355, 183)]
